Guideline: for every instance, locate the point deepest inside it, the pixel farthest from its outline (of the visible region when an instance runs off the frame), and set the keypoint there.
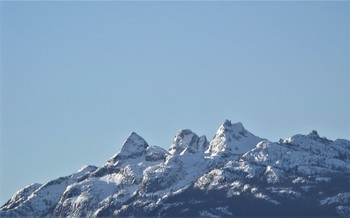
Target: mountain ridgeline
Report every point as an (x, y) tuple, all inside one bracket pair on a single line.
[(234, 174)]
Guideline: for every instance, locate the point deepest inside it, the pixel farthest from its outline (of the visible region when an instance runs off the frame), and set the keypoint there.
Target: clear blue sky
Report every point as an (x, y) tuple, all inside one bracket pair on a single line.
[(78, 77)]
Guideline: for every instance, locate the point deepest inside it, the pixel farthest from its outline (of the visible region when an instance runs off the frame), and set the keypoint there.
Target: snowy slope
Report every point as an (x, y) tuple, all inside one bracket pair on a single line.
[(112, 184), (237, 173), (43, 199)]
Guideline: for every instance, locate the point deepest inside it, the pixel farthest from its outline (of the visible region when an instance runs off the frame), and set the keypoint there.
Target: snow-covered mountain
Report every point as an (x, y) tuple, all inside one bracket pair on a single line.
[(236, 173)]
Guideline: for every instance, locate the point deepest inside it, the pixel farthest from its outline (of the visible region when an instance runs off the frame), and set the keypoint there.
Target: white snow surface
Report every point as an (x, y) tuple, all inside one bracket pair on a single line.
[(235, 161), (40, 201), (233, 138)]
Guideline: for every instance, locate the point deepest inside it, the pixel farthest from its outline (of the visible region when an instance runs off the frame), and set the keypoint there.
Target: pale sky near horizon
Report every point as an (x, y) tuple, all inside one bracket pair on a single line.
[(78, 77)]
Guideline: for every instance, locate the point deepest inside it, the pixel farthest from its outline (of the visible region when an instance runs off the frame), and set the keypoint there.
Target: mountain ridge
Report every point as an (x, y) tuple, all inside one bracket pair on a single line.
[(196, 177)]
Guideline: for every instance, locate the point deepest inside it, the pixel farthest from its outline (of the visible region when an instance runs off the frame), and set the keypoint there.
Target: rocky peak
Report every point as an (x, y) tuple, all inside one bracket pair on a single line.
[(232, 129), (143, 180), (314, 133), (227, 123), (184, 139), (134, 146), (232, 138)]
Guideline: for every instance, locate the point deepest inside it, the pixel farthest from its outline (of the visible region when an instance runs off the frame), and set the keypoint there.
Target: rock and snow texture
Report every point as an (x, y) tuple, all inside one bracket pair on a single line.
[(232, 139), (134, 146), (38, 200), (235, 174), (188, 141)]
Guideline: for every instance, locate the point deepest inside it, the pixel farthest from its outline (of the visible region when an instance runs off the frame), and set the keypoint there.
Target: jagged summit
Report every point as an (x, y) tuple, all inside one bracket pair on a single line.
[(235, 174), (183, 139), (134, 146), (229, 126), (232, 139), (186, 141), (314, 133), (227, 123)]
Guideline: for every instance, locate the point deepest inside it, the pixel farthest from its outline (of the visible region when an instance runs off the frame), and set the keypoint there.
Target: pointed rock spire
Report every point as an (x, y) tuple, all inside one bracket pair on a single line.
[(134, 146), (232, 138), (237, 129), (314, 133), (183, 139)]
